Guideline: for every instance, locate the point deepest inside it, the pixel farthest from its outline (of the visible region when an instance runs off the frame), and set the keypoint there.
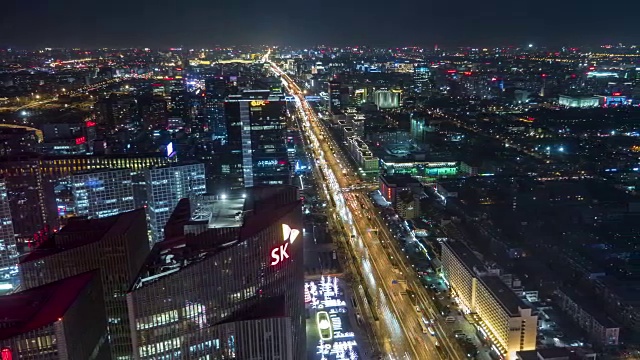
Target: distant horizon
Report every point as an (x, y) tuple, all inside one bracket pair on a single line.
[(302, 47)]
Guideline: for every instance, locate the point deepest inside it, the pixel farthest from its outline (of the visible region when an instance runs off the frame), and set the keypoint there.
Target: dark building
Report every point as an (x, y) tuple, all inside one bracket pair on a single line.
[(215, 93), (256, 135), (116, 110), (62, 320), (226, 280), (17, 140), (180, 105), (153, 112), (117, 245)]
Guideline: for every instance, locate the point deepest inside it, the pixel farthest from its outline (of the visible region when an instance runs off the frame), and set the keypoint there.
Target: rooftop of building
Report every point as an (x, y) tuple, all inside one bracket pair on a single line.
[(175, 165), (255, 94), (399, 180), (627, 290), (219, 211), (40, 306), (555, 353), (27, 156), (99, 171), (466, 256), (260, 207), (589, 306), (93, 230), (505, 296)]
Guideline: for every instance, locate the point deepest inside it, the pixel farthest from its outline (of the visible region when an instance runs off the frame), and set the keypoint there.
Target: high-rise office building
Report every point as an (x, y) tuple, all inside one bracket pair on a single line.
[(8, 251), (115, 245), (335, 97), (102, 193), (215, 93), (62, 320), (166, 186), (30, 182), (256, 135), (421, 75), (226, 282), (153, 112)]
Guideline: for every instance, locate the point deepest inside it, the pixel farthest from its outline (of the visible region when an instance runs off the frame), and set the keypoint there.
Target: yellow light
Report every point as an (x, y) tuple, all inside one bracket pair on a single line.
[(259, 102)]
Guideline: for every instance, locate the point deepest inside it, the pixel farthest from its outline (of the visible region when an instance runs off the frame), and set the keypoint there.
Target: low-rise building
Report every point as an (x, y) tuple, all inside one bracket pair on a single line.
[(602, 330)]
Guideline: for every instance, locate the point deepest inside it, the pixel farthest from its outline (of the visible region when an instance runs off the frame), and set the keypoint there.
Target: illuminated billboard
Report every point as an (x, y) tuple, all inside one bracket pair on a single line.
[(279, 253)]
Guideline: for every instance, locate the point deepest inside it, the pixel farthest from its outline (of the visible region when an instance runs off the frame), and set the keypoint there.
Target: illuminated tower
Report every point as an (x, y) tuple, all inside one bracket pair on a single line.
[(256, 134), (8, 251)]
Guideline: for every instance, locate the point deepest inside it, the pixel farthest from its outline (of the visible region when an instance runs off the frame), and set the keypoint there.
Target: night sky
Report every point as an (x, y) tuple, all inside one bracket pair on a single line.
[(195, 23)]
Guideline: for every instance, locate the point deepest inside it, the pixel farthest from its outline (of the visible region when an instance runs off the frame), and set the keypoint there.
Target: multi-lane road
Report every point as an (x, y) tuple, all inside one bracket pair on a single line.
[(384, 267)]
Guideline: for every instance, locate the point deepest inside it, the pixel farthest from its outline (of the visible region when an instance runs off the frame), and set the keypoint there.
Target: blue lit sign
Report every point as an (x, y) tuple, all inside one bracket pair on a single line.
[(170, 151)]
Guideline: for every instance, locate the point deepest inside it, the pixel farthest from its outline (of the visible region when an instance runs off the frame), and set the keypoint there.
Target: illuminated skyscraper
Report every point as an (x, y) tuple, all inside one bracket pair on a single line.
[(8, 251), (335, 98), (421, 75), (226, 283), (256, 134), (102, 193), (216, 91), (166, 186)]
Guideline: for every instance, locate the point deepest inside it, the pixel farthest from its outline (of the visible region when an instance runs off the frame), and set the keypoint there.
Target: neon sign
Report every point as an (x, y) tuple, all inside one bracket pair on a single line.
[(81, 140), (259, 102), (279, 253), (91, 123), (325, 327)]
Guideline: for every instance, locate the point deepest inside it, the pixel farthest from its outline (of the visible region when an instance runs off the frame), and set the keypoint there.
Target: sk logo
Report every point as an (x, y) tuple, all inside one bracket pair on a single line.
[(280, 253)]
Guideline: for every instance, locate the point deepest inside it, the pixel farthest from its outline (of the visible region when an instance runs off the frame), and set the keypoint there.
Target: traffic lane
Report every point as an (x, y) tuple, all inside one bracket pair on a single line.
[(415, 283), (403, 305)]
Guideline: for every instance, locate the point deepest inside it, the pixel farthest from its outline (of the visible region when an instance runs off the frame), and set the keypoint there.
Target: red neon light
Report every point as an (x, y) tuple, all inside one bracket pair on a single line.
[(81, 140), (91, 123), (616, 94), (6, 354), (178, 69), (451, 71), (544, 75)]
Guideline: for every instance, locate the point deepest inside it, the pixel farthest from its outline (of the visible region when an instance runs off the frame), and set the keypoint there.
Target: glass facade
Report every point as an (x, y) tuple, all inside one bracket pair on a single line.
[(225, 276), (116, 245), (216, 90), (73, 327), (257, 135), (165, 187), (8, 251), (102, 193)]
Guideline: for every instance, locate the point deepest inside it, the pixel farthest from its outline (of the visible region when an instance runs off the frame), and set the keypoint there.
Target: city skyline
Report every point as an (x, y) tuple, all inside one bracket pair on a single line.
[(200, 24)]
